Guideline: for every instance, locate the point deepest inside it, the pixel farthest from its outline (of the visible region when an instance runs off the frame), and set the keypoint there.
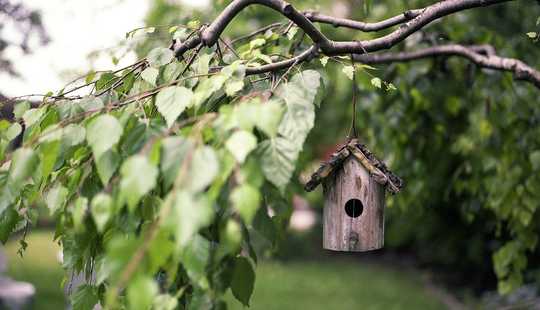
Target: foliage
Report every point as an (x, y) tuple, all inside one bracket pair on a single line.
[(155, 177)]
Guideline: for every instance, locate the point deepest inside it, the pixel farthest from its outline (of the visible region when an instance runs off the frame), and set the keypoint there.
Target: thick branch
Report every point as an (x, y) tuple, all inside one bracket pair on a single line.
[(209, 35), (417, 19), (482, 55), (428, 14)]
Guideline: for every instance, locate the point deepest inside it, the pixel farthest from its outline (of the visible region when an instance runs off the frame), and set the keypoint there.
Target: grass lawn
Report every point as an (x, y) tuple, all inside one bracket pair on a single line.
[(336, 285), (40, 267), (295, 285)]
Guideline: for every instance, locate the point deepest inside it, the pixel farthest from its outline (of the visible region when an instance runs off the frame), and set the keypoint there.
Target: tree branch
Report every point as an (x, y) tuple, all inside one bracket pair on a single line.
[(481, 55), (414, 20), (210, 34), (428, 14), (307, 55), (317, 17)]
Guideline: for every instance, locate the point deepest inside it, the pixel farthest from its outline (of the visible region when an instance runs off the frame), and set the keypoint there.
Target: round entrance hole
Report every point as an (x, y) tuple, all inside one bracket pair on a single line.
[(354, 207)]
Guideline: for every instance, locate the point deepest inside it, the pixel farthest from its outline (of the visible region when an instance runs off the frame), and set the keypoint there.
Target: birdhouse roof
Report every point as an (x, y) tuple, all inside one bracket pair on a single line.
[(377, 169)]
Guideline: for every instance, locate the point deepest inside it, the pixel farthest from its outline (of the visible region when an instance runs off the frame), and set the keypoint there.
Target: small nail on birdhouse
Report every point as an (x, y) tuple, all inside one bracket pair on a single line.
[(354, 185)]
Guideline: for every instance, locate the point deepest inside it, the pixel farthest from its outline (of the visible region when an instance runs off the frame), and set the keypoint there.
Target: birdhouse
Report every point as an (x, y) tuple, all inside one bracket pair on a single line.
[(354, 184)]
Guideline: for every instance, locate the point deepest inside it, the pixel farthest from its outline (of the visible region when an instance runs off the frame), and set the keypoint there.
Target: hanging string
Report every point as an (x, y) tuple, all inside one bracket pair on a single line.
[(352, 131), (352, 135)]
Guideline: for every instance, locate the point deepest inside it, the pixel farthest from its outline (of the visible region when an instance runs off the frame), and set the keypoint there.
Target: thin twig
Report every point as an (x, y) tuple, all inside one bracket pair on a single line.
[(256, 32), (230, 48)]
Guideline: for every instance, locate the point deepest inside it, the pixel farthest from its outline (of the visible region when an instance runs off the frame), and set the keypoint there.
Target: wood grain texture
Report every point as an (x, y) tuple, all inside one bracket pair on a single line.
[(342, 232)]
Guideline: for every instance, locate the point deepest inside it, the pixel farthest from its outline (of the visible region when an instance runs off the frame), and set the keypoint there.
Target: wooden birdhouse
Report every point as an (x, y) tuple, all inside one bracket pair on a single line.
[(354, 185)]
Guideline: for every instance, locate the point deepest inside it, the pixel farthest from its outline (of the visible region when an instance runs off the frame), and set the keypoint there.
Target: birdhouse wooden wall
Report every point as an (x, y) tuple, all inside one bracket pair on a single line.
[(353, 209)]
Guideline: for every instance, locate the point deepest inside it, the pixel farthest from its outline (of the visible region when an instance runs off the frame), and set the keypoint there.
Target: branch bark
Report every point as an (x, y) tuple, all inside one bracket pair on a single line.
[(317, 17), (210, 34), (411, 21), (481, 55)]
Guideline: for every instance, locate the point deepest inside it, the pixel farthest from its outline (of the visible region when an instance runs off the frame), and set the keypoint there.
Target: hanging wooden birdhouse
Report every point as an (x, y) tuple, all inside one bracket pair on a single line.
[(354, 186)]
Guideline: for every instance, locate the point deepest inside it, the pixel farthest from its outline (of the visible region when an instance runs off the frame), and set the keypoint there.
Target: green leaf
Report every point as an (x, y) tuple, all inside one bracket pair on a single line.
[(349, 72), (51, 133), (299, 94), (172, 101), (246, 199), (376, 82), (161, 248), (85, 298), (33, 116), (203, 64), (4, 125), (297, 122), (243, 280), (56, 198), (23, 164), (120, 249), (231, 236), (48, 153), (206, 88), (195, 257), (73, 134), (91, 103), (138, 178), (78, 212), (189, 215), (141, 293), (256, 43), (90, 77), (8, 222), (324, 60), (150, 75), (102, 210), (68, 109), (278, 157), (105, 80), (240, 144), (204, 168), (390, 87), (194, 24), (269, 117), (172, 71), (174, 152), (159, 56), (165, 302), (13, 131), (244, 116), (173, 29), (233, 86), (103, 133), (106, 165), (365, 67), (20, 108)]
